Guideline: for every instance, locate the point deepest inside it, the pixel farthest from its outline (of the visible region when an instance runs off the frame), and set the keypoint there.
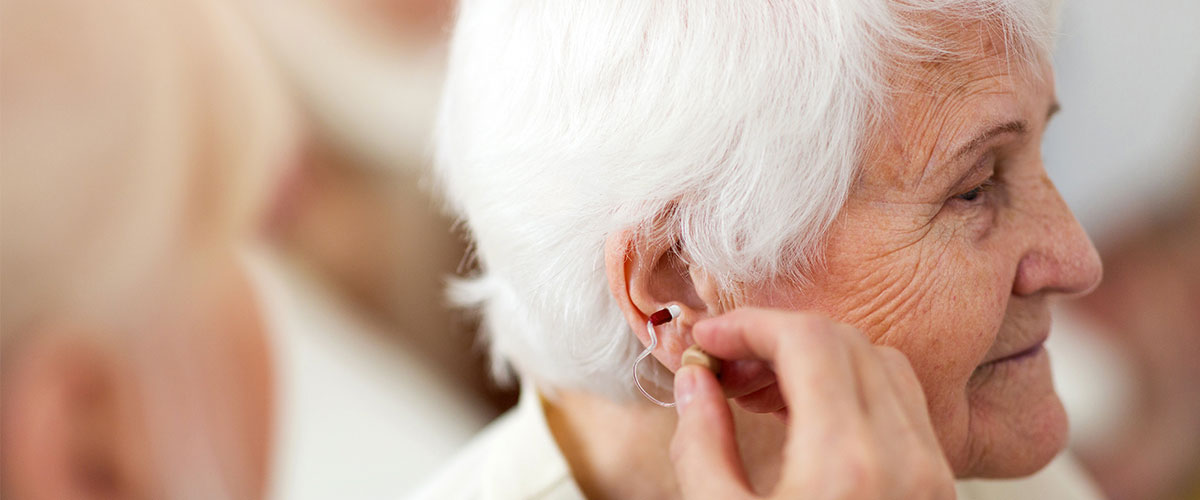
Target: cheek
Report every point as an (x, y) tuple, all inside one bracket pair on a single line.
[(966, 296), (967, 303), (938, 299)]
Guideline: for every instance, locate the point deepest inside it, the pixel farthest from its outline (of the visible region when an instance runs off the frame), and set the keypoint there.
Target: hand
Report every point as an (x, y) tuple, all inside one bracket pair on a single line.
[(857, 423)]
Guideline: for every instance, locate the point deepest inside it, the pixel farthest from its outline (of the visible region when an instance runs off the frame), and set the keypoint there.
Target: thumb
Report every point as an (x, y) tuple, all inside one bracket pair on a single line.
[(704, 450)]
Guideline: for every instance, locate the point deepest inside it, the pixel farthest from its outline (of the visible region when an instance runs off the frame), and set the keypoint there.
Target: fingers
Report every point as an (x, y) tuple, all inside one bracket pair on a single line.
[(858, 423), (895, 433), (704, 450), (877, 392), (909, 392), (814, 368), (740, 377), (765, 400), (742, 334)]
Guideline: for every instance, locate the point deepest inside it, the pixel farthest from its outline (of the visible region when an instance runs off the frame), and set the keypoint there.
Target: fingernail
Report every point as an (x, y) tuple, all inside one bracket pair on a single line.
[(685, 386)]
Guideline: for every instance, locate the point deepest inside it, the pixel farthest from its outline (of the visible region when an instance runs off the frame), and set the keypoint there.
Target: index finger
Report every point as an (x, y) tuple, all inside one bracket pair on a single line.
[(812, 363), (739, 334), (754, 333)]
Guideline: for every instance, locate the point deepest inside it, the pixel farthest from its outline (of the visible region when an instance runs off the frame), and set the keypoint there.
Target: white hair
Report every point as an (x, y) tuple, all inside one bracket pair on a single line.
[(737, 125)]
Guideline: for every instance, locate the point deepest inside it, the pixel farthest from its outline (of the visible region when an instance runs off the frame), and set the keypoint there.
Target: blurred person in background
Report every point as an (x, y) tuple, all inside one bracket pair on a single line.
[(362, 252), (150, 348), (139, 142), (1130, 381), (1148, 310), (359, 221), (1126, 150)]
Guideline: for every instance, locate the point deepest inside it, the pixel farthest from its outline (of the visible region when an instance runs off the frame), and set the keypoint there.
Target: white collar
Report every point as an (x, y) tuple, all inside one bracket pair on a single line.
[(525, 461), (517, 458)]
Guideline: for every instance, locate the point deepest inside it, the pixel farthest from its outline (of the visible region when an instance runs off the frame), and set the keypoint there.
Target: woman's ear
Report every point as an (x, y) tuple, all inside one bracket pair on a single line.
[(646, 273), (60, 426)]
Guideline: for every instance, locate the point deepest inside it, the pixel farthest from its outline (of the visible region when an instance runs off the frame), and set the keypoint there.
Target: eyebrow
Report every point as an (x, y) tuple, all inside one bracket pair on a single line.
[(1013, 127), (1018, 127)]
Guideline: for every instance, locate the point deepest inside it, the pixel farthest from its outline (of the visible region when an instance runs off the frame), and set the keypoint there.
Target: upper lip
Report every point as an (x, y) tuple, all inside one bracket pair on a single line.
[(1023, 349)]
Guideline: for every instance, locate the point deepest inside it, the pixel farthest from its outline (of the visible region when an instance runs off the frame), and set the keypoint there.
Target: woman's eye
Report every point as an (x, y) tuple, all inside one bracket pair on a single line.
[(977, 192)]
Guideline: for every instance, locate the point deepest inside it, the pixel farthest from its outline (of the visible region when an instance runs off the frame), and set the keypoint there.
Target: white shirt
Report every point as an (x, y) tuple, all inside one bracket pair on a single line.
[(356, 416), (516, 458)]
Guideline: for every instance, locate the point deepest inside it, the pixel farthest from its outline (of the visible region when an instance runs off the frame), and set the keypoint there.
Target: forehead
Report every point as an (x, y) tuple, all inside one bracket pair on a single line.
[(938, 101)]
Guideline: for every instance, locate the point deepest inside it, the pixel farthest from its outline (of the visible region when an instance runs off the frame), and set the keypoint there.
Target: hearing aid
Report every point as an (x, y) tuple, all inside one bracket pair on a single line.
[(693, 355)]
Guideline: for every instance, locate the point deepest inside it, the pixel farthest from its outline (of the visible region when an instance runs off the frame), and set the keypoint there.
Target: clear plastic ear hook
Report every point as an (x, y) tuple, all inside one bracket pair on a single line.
[(658, 318)]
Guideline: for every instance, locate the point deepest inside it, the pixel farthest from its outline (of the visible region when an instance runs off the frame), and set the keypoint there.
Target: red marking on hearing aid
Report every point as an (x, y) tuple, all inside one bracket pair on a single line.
[(659, 317)]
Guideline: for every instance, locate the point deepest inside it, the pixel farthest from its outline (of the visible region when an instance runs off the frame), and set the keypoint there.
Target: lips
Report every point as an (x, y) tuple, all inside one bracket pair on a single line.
[(1026, 350)]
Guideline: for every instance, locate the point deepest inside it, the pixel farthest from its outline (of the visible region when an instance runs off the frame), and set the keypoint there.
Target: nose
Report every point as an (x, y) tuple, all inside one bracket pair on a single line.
[(1060, 258)]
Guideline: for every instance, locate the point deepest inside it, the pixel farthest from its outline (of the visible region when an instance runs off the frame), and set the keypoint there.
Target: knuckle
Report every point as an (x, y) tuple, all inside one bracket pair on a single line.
[(805, 321), (679, 447), (911, 385), (945, 491), (893, 357), (868, 487), (930, 477), (860, 468), (922, 479), (853, 337), (812, 329), (938, 488), (898, 364)]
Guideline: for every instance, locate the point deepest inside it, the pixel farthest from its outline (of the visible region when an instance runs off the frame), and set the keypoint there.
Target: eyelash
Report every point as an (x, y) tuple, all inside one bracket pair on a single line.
[(974, 194)]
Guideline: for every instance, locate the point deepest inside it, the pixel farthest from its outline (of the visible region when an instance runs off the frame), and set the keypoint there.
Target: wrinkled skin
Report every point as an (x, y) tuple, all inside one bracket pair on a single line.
[(956, 277), (950, 257)]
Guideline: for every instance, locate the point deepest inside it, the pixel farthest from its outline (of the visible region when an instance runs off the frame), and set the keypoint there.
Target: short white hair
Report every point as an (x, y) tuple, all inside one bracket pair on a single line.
[(737, 125)]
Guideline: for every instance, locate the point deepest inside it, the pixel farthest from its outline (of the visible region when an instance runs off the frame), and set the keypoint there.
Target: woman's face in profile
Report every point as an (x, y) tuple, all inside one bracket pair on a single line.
[(950, 246)]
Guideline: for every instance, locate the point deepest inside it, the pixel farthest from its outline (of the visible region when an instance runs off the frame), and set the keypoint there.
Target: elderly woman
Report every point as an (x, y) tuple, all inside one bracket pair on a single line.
[(151, 348), (844, 200)]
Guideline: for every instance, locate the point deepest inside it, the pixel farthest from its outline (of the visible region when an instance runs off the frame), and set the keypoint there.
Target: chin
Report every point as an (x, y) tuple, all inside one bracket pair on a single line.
[(1017, 422)]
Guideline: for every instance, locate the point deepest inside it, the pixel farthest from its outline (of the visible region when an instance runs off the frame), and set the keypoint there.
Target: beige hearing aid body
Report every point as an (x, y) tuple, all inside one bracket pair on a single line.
[(694, 355)]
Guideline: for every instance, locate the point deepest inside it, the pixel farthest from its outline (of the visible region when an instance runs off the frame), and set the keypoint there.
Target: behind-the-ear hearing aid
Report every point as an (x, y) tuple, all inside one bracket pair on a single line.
[(693, 355)]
